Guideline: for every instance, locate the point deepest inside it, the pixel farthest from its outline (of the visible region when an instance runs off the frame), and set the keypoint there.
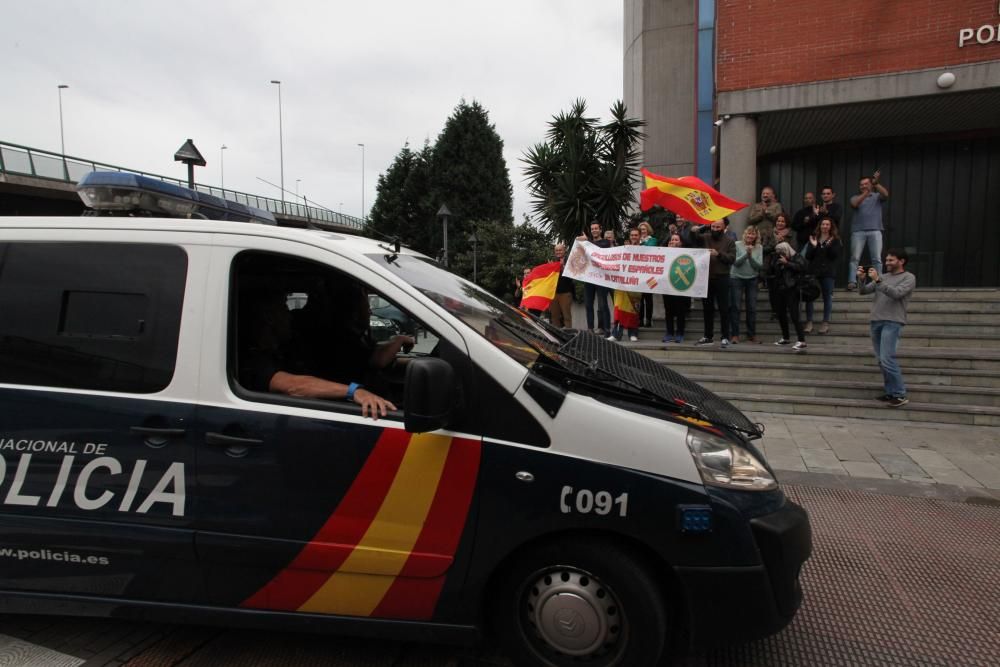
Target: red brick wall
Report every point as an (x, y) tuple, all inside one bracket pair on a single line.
[(764, 43)]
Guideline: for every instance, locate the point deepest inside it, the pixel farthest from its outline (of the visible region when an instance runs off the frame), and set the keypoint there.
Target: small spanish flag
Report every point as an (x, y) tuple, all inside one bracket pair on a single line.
[(626, 310), (539, 286), (687, 196)]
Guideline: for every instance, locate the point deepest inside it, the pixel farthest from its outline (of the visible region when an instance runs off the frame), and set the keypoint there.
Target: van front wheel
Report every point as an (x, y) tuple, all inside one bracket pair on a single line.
[(581, 603)]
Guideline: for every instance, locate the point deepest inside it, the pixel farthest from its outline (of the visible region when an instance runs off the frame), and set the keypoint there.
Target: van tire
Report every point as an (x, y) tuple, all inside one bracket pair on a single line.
[(580, 602)]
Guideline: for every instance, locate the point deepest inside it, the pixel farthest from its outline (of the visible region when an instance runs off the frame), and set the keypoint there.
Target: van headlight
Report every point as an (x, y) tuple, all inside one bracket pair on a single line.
[(722, 463)]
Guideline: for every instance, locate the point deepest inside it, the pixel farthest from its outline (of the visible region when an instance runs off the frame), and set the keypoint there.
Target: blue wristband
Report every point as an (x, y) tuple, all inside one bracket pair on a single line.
[(351, 388)]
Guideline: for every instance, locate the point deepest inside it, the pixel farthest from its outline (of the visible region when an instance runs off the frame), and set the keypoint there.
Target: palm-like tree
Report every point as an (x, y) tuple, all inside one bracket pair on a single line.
[(584, 171)]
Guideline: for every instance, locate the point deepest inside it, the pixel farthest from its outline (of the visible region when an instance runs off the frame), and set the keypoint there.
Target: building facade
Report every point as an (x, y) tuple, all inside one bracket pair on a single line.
[(802, 94)]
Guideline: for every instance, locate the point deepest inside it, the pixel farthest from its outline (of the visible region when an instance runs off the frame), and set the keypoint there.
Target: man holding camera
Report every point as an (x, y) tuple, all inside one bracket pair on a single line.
[(866, 227), (888, 317)]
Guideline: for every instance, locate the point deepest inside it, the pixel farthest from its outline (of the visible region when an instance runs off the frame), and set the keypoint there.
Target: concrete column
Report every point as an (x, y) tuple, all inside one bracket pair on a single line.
[(738, 165)]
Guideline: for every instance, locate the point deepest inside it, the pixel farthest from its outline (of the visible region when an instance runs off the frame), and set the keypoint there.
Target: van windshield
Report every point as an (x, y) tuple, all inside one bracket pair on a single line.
[(518, 334)]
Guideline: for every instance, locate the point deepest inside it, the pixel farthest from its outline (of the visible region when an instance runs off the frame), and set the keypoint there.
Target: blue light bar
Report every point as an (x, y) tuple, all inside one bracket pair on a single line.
[(124, 192)]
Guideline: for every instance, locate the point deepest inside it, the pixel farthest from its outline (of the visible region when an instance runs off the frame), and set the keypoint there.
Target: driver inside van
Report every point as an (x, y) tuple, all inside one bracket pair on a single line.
[(325, 353)]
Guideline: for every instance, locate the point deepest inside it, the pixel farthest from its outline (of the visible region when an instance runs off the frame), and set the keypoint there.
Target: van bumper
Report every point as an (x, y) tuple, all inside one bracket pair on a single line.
[(726, 603)]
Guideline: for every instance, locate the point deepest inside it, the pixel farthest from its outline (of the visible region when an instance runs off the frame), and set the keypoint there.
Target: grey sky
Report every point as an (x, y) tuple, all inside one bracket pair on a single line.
[(145, 76)]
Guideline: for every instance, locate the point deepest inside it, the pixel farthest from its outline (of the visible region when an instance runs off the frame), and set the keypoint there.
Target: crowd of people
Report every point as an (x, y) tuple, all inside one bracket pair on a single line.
[(793, 256)]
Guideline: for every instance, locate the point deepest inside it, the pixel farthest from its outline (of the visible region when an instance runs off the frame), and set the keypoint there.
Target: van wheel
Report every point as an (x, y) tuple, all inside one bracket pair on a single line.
[(580, 603)]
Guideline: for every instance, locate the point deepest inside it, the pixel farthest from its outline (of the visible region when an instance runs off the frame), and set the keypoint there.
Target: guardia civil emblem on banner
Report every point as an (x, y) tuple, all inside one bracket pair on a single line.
[(683, 272)]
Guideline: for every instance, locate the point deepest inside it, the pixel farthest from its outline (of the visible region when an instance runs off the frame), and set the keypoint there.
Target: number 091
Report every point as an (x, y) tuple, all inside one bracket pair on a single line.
[(586, 501)]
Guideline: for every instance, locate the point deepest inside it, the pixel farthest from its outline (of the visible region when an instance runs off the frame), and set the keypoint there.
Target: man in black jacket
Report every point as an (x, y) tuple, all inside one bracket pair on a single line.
[(723, 254), (805, 219)]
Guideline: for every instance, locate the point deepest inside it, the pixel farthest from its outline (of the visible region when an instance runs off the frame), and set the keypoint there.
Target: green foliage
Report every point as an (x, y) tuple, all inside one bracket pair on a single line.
[(584, 171), (464, 169), (504, 251)]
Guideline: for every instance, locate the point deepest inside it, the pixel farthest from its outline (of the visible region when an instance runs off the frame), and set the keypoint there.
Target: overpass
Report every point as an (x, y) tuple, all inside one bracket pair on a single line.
[(40, 182)]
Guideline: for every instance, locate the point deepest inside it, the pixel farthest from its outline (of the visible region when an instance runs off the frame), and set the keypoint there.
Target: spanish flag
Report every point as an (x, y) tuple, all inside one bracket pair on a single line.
[(687, 196), (539, 286), (626, 311)]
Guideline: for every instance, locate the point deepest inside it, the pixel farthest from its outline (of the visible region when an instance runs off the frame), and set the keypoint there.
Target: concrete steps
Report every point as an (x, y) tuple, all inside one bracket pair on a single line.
[(950, 354)]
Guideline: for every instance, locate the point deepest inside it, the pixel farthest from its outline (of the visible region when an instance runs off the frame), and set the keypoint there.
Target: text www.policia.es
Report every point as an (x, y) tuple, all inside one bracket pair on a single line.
[(55, 556)]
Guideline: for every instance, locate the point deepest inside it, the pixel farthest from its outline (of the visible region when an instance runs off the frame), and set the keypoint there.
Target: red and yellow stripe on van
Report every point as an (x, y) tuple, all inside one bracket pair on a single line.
[(386, 549)]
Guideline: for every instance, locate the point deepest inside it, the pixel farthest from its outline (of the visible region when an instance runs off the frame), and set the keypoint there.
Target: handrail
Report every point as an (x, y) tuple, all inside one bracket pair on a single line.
[(40, 163)]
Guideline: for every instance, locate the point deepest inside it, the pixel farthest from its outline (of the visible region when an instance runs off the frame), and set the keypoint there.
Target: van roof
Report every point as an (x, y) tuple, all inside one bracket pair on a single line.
[(346, 244)]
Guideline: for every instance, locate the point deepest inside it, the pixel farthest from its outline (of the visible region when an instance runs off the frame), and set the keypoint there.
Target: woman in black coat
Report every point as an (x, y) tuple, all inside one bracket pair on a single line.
[(821, 253), (783, 284)]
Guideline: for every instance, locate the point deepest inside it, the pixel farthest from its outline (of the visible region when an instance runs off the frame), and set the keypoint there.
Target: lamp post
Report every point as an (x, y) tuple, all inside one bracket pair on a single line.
[(281, 145), (222, 167), (362, 183), (475, 254), (62, 137), (297, 181), (444, 214)]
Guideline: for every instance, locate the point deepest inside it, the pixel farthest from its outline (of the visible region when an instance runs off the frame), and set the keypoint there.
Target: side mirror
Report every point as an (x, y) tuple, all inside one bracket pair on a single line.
[(429, 394)]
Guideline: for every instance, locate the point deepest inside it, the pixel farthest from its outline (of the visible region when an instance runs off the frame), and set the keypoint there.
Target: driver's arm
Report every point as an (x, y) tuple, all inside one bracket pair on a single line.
[(310, 386)]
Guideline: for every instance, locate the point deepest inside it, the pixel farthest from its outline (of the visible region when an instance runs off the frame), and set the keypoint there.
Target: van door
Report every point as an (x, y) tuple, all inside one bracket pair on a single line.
[(96, 476), (308, 506)]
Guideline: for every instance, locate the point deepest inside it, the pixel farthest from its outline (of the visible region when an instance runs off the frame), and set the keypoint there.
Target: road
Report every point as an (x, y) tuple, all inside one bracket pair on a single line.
[(896, 577)]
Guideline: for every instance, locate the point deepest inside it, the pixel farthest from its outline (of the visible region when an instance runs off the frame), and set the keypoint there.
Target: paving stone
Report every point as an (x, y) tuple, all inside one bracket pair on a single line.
[(865, 469), (849, 452), (927, 458), (818, 460), (900, 466), (787, 463), (811, 442), (953, 476)]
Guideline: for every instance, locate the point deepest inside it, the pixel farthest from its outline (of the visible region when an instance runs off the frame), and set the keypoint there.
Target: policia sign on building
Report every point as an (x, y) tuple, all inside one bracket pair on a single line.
[(179, 435)]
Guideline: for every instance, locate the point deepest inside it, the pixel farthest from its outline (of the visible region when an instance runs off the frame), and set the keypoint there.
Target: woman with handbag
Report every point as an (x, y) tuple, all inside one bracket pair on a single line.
[(821, 252), (783, 281)]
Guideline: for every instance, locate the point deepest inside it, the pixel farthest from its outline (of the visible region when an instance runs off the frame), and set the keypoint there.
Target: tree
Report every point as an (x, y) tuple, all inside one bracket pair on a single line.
[(403, 206), (584, 171), (464, 169), (504, 251)]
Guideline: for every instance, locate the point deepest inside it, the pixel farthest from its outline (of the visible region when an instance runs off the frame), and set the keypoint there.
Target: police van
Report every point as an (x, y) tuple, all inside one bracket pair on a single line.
[(578, 502)]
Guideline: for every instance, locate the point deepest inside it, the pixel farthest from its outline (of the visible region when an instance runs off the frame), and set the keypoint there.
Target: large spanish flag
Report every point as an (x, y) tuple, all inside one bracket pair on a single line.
[(688, 196), (539, 286)]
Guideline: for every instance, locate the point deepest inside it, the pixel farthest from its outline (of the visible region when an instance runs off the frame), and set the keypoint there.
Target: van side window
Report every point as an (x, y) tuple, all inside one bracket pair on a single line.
[(295, 317), (102, 316)]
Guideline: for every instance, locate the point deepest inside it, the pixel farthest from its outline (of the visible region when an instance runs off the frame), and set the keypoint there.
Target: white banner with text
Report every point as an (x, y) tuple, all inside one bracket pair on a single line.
[(639, 268)]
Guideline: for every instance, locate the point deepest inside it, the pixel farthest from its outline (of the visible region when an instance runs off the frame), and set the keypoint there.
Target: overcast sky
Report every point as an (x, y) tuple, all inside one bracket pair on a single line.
[(145, 76)]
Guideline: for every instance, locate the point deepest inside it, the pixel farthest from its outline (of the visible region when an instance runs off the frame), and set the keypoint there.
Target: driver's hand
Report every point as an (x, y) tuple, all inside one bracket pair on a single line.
[(371, 403), (405, 343)]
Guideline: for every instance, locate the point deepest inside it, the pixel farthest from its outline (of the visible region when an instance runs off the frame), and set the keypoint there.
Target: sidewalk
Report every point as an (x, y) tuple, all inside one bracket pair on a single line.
[(871, 449)]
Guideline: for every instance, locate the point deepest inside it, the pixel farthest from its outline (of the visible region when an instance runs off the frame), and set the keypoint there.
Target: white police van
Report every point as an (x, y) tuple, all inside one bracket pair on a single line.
[(580, 502)]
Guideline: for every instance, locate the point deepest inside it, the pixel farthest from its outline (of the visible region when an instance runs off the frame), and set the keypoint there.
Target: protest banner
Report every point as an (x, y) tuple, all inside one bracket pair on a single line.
[(637, 268)]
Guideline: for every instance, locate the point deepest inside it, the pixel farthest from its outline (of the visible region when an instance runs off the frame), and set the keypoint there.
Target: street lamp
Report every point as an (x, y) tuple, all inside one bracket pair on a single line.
[(222, 167), (444, 214), (297, 181), (62, 138), (475, 254), (362, 183), (281, 146)]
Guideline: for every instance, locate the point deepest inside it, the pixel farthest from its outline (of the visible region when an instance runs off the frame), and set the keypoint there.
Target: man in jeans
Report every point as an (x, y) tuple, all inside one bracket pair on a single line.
[(892, 295), (723, 253), (591, 291), (866, 226)]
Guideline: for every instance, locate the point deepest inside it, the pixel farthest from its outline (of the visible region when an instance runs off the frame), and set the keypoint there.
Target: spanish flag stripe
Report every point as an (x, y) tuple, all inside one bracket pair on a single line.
[(539, 286), (413, 595), (390, 537), (334, 542)]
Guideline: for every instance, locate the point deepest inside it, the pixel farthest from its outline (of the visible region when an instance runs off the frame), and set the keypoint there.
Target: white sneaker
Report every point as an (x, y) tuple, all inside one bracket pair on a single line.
[(634, 339), (798, 347), (724, 344), (782, 341), (612, 338)]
